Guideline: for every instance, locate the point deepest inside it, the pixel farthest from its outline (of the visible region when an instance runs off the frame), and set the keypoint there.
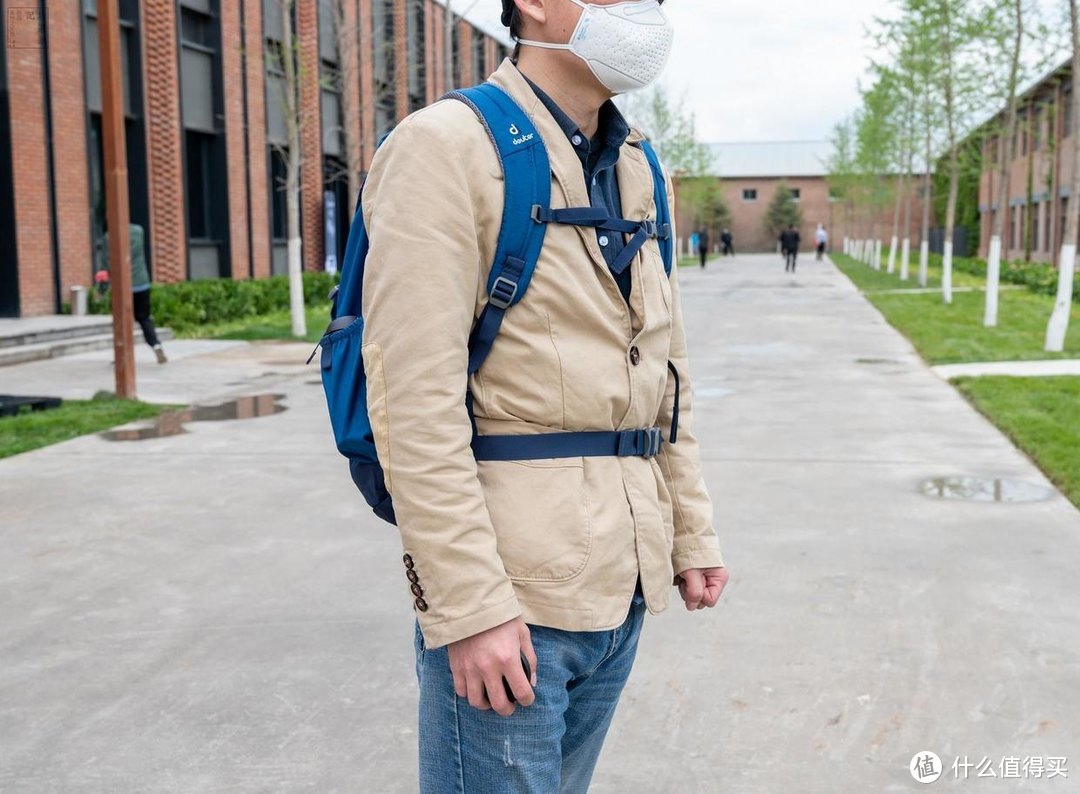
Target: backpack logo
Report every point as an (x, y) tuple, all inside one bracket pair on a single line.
[(515, 132)]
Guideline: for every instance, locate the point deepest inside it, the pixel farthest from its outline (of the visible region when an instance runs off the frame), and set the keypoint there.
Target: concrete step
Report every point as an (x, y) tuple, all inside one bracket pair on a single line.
[(66, 346), (36, 331)]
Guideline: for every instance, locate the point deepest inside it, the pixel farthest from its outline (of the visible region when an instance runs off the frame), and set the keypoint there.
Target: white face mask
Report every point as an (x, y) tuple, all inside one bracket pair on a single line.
[(626, 45)]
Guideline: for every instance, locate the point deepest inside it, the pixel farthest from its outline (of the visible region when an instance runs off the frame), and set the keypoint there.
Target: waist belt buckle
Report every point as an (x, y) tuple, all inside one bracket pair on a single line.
[(651, 440)]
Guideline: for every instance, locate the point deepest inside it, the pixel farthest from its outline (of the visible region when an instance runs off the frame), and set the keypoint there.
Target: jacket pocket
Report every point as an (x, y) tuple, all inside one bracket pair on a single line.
[(541, 517)]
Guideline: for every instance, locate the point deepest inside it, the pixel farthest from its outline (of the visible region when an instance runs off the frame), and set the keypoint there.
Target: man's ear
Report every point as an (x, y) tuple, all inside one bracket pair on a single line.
[(532, 10)]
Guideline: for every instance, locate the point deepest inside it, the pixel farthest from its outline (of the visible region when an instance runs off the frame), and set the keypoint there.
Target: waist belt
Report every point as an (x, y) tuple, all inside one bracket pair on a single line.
[(644, 442)]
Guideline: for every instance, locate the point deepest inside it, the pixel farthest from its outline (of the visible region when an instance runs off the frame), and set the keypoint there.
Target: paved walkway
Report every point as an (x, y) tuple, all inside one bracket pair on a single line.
[(219, 611), (1019, 369)]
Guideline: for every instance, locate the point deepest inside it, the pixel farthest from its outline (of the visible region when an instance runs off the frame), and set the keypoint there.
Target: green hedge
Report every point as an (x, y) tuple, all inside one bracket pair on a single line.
[(1038, 277), (188, 304)]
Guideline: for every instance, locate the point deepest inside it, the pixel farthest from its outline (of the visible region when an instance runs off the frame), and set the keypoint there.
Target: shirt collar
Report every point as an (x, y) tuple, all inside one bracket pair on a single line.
[(612, 130)]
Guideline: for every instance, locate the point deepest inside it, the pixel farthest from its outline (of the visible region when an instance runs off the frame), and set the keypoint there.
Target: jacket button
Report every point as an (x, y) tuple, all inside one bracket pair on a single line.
[(408, 560), (411, 576), (417, 590), (635, 356), (421, 604)]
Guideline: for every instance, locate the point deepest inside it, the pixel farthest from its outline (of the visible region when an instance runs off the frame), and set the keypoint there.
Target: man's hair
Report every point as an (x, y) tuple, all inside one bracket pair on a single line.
[(515, 31)]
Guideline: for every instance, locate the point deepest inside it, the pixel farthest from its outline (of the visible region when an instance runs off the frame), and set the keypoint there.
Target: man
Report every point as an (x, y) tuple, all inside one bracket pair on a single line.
[(789, 244), (821, 238), (703, 245), (140, 286), (728, 242), (554, 561)]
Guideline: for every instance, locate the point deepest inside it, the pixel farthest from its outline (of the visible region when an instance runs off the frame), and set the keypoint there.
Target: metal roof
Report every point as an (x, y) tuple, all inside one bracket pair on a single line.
[(771, 159)]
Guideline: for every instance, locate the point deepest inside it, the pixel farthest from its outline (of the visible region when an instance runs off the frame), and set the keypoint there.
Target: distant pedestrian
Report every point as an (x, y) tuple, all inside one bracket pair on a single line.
[(821, 238), (703, 246), (140, 286), (728, 242), (789, 247)]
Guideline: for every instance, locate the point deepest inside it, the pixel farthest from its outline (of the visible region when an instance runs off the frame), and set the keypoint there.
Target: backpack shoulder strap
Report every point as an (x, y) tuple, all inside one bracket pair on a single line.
[(663, 211), (527, 183)]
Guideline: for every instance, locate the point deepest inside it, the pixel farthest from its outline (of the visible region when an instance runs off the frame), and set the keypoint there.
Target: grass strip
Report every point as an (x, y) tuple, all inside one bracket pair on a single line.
[(35, 429)]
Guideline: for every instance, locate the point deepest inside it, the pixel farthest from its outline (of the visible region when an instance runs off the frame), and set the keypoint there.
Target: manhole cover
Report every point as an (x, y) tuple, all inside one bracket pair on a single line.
[(977, 489), (876, 361)]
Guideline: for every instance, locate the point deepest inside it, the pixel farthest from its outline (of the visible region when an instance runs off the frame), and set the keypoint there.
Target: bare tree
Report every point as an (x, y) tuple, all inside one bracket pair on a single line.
[(1059, 320), (282, 56)]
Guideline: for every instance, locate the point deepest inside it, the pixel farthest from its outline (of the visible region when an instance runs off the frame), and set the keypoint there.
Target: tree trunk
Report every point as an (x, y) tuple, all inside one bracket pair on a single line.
[(954, 161), (993, 265), (924, 241), (347, 51), (1059, 320), (292, 173)]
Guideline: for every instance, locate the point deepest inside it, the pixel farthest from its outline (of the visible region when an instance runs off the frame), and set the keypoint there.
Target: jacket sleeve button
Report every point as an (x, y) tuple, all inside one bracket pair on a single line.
[(417, 590), (408, 560), (411, 576), (421, 605), (635, 356)]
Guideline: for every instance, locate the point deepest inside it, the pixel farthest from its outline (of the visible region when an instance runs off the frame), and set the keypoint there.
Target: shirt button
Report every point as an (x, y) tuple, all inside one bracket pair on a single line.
[(576, 140), (604, 240), (635, 356), (421, 605)]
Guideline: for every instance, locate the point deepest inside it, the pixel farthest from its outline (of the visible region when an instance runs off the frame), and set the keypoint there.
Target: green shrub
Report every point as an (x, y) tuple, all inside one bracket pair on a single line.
[(188, 304), (1039, 277)]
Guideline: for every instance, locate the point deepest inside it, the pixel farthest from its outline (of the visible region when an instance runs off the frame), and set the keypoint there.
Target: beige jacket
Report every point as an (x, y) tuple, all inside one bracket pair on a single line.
[(560, 542)]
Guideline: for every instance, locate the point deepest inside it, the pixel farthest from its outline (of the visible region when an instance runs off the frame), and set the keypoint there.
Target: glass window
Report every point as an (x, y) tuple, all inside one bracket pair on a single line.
[(331, 123), (278, 217), (416, 32), (199, 180), (749, 194), (328, 49), (479, 60), (796, 193), (1066, 112)]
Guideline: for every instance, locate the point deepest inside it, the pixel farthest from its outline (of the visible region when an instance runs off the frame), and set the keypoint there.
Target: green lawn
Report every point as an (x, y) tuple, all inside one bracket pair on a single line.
[(951, 334), (276, 325), (31, 430), (1040, 416), (867, 279)]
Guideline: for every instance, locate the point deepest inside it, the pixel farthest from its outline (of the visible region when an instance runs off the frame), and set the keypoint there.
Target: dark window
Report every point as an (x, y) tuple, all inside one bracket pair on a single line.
[(796, 193), (416, 31), (202, 113), (382, 18), (749, 194), (479, 59), (278, 217), (1066, 113)]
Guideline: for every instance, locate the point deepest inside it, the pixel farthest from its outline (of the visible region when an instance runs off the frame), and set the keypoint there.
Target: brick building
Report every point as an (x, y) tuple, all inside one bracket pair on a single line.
[(1040, 171), (751, 173), (204, 128)]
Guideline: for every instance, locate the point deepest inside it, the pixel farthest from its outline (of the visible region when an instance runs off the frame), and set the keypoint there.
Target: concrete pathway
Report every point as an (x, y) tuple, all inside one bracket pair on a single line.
[(220, 611), (1019, 369)]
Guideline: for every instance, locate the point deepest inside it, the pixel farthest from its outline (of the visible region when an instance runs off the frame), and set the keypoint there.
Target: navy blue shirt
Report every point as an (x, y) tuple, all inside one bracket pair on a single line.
[(598, 158)]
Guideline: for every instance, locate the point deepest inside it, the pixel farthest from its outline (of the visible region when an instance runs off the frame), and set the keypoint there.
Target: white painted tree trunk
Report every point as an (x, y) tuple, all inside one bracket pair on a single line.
[(924, 262), (296, 288), (1059, 320), (877, 255), (993, 280), (892, 254), (846, 246), (946, 273), (905, 259)]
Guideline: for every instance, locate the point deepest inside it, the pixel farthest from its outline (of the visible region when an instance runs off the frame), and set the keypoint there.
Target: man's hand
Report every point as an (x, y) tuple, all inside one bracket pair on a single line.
[(480, 663), (700, 588)]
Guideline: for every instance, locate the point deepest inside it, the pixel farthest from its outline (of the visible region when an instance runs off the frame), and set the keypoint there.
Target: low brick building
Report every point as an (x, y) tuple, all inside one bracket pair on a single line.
[(204, 128), (1040, 171), (751, 173)]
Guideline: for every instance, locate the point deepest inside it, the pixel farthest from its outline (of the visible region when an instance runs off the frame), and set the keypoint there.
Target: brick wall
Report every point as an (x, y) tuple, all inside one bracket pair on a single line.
[(748, 217), (259, 187), (311, 167), (168, 225), (68, 102), (30, 175), (242, 53)]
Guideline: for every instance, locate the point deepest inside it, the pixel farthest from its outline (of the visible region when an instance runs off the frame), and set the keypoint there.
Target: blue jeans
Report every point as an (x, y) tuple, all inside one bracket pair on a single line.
[(552, 746)]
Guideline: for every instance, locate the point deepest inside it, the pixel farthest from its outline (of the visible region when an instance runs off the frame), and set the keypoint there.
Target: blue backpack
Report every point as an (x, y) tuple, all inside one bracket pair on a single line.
[(527, 213)]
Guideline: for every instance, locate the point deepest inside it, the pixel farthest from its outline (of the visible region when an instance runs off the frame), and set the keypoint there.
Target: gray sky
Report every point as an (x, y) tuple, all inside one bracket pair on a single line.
[(766, 70)]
